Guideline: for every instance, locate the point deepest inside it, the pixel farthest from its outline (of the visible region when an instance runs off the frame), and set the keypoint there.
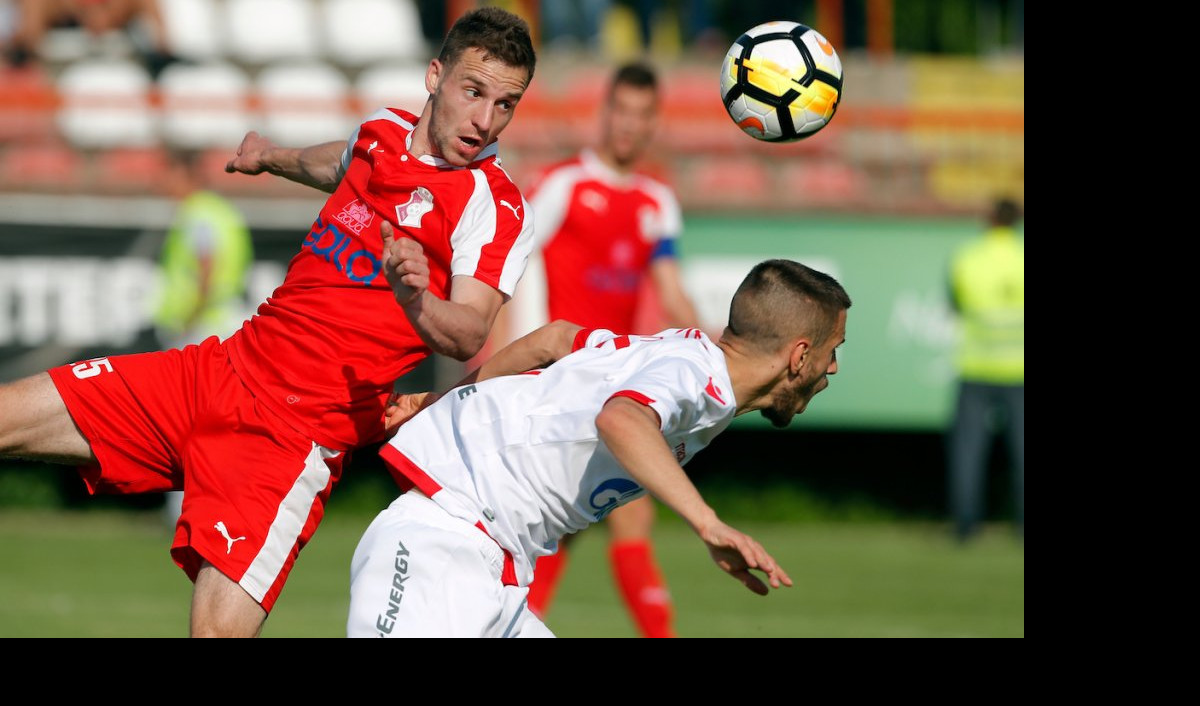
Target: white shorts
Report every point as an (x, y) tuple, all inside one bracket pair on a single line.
[(420, 572)]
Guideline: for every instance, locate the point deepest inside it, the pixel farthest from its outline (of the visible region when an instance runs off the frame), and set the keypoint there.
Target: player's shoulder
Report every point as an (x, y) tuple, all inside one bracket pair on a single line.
[(656, 185), (498, 180), (688, 341), (567, 169), (389, 126)]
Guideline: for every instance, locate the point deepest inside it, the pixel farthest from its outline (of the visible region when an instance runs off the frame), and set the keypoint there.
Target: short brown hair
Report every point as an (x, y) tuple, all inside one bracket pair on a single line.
[(499, 34), (782, 299), (636, 74)]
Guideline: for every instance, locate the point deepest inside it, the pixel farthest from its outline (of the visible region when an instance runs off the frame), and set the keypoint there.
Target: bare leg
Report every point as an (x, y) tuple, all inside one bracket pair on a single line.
[(221, 608), (35, 425), (633, 520)]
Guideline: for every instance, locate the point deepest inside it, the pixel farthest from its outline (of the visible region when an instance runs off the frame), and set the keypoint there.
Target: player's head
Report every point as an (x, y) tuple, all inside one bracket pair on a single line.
[(630, 113), (795, 316), (1004, 213), (483, 69), (183, 174)]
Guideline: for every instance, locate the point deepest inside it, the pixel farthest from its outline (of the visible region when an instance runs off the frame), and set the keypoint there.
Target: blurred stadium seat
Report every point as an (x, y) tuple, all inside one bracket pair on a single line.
[(131, 170), (193, 28), (106, 103), (391, 85), (729, 182), (48, 167), (27, 98), (362, 32), (304, 103), (204, 105), (260, 32)]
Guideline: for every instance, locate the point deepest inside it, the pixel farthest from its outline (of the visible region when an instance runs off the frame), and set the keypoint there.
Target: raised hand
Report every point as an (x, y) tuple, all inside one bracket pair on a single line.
[(737, 554), (404, 265), (250, 154)]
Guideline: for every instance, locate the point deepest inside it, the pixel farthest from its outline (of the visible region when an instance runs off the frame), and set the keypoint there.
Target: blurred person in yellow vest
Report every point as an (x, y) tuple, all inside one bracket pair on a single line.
[(202, 271), (987, 292), (205, 259)]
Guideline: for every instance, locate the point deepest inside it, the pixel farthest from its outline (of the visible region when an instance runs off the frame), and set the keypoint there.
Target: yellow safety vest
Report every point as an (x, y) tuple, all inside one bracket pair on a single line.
[(987, 278), (231, 252)]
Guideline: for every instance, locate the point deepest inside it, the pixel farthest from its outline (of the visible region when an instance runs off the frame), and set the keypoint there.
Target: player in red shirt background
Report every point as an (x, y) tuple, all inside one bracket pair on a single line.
[(414, 252), (603, 228)]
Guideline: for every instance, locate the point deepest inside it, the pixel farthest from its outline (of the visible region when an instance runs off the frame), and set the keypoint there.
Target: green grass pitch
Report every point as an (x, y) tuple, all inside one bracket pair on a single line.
[(108, 574)]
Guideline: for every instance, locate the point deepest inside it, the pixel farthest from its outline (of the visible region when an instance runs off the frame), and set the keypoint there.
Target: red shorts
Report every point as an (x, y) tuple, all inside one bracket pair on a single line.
[(254, 488)]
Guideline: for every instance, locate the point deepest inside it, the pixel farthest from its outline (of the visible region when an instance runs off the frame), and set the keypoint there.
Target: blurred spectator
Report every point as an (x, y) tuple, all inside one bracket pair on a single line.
[(987, 291), (142, 20), (697, 22), (205, 259), (433, 20), (573, 24)]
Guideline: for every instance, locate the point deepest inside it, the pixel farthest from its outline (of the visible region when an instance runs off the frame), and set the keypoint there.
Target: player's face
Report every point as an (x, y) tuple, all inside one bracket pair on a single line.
[(793, 398), (629, 120), (473, 101)]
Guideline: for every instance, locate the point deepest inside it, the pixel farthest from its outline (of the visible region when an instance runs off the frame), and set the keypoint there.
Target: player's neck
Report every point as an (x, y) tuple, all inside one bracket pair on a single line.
[(752, 376), (608, 159)]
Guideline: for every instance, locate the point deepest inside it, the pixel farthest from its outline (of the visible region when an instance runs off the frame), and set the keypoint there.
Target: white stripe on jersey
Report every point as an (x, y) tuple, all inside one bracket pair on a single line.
[(477, 228), (518, 260), (552, 198), (288, 524)]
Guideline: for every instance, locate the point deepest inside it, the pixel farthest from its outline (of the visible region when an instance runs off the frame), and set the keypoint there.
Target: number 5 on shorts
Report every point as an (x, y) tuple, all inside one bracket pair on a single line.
[(91, 368)]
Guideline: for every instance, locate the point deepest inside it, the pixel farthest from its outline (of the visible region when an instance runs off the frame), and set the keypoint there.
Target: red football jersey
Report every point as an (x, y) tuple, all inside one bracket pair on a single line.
[(326, 347), (598, 231)]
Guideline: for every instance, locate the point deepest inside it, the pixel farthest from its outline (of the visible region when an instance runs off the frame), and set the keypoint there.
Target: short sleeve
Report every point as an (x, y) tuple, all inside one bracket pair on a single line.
[(673, 386)]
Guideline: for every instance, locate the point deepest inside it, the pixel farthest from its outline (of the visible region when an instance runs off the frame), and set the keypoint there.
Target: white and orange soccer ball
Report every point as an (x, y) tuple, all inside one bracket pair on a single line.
[(781, 81)]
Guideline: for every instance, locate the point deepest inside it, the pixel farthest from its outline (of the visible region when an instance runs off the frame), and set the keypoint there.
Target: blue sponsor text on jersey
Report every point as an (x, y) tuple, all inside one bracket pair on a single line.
[(611, 493), (343, 251)]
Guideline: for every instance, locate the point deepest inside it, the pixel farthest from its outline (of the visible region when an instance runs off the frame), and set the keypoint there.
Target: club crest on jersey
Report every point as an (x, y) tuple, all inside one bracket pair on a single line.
[(412, 211), (593, 200), (355, 216)]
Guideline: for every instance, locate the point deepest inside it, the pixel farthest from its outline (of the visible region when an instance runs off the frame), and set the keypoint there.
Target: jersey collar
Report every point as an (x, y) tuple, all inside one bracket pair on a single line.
[(601, 171), (492, 150)]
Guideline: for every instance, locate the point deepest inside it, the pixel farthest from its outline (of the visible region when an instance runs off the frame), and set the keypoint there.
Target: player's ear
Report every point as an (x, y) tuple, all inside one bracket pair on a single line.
[(798, 355), (433, 74)]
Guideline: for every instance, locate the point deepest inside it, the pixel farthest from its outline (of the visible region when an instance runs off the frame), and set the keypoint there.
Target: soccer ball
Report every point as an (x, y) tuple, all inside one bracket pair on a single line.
[(781, 81)]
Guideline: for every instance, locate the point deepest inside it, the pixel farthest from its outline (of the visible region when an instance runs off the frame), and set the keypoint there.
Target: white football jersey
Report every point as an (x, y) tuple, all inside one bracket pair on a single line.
[(519, 456)]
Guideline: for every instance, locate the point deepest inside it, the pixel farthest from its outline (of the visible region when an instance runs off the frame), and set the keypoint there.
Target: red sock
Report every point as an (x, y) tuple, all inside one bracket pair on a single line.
[(546, 573), (642, 586)]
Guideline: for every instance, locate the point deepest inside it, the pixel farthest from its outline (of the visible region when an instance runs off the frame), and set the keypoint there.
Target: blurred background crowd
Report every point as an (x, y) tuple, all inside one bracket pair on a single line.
[(932, 119)]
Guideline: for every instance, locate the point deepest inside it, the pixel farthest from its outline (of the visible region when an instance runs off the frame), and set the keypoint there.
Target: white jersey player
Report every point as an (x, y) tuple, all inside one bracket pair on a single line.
[(501, 467)]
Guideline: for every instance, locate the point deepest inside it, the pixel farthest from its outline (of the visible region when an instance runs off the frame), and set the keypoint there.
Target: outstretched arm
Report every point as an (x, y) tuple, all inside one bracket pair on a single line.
[(631, 432), (536, 349), (318, 166)]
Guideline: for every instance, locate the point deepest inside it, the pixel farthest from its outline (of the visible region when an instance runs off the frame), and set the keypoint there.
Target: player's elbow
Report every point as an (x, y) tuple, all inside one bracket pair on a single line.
[(559, 339), (460, 350), (608, 424)]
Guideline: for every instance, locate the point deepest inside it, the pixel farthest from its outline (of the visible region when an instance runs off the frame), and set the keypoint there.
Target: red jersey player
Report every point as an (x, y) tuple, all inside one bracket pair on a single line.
[(414, 251), (603, 227)]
